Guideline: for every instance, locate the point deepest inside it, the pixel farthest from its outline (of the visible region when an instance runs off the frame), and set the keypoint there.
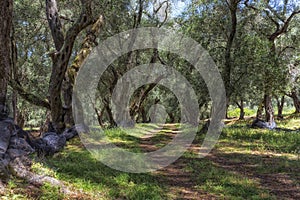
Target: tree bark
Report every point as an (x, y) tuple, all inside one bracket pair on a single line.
[(99, 114), (241, 107), (61, 57), (136, 105), (296, 101), (260, 109), (6, 7), (86, 48), (19, 167), (110, 116), (232, 5), (14, 75), (280, 104), (31, 98), (269, 109), (55, 24)]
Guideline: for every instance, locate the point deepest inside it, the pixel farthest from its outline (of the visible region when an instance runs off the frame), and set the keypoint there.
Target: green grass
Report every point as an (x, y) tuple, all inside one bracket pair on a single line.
[(235, 112), (226, 184), (291, 122), (50, 192), (257, 139), (85, 172), (224, 177)]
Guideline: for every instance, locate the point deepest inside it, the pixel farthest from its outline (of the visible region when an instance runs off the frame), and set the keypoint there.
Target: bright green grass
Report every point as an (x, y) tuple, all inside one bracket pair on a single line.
[(292, 122), (286, 140), (277, 141), (235, 112)]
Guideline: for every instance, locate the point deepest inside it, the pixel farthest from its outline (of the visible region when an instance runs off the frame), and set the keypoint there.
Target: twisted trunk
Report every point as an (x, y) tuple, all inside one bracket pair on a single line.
[(60, 58), (86, 47)]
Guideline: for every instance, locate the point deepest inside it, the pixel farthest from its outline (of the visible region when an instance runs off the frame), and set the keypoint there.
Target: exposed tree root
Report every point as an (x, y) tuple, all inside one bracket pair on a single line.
[(20, 168)]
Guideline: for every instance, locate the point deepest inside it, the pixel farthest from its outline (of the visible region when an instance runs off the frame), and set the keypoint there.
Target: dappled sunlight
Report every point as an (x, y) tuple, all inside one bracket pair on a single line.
[(238, 167)]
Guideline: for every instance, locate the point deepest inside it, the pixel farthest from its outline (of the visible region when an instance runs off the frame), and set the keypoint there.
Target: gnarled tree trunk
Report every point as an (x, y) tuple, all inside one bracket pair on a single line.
[(86, 48), (60, 58)]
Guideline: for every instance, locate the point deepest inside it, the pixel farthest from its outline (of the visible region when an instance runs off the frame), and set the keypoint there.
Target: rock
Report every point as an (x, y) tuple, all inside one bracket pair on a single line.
[(70, 133), (19, 147), (258, 123), (6, 130), (14, 153), (53, 142), (15, 142)]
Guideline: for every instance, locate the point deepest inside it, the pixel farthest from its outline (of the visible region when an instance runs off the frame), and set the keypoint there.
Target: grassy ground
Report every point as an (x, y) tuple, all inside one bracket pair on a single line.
[(245, 164)]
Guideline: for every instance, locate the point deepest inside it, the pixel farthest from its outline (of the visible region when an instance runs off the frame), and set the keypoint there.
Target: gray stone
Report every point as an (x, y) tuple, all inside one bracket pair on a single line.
[(19, 147), (70, 133), (258, 123), (5, 131), (53, 142), (14, 153)]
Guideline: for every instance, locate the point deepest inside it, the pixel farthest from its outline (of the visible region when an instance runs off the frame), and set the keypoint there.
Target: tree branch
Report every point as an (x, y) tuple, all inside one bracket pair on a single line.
[(54, 23), (31, 98), (86, 47), (285, 26)]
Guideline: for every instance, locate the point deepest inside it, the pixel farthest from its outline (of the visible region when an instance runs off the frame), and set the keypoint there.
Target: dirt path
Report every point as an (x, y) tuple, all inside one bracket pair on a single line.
[(282, 185), (182, 186)]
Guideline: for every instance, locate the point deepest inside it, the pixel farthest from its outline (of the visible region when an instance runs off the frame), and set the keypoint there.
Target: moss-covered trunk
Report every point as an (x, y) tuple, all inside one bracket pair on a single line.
[(61, 57)]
